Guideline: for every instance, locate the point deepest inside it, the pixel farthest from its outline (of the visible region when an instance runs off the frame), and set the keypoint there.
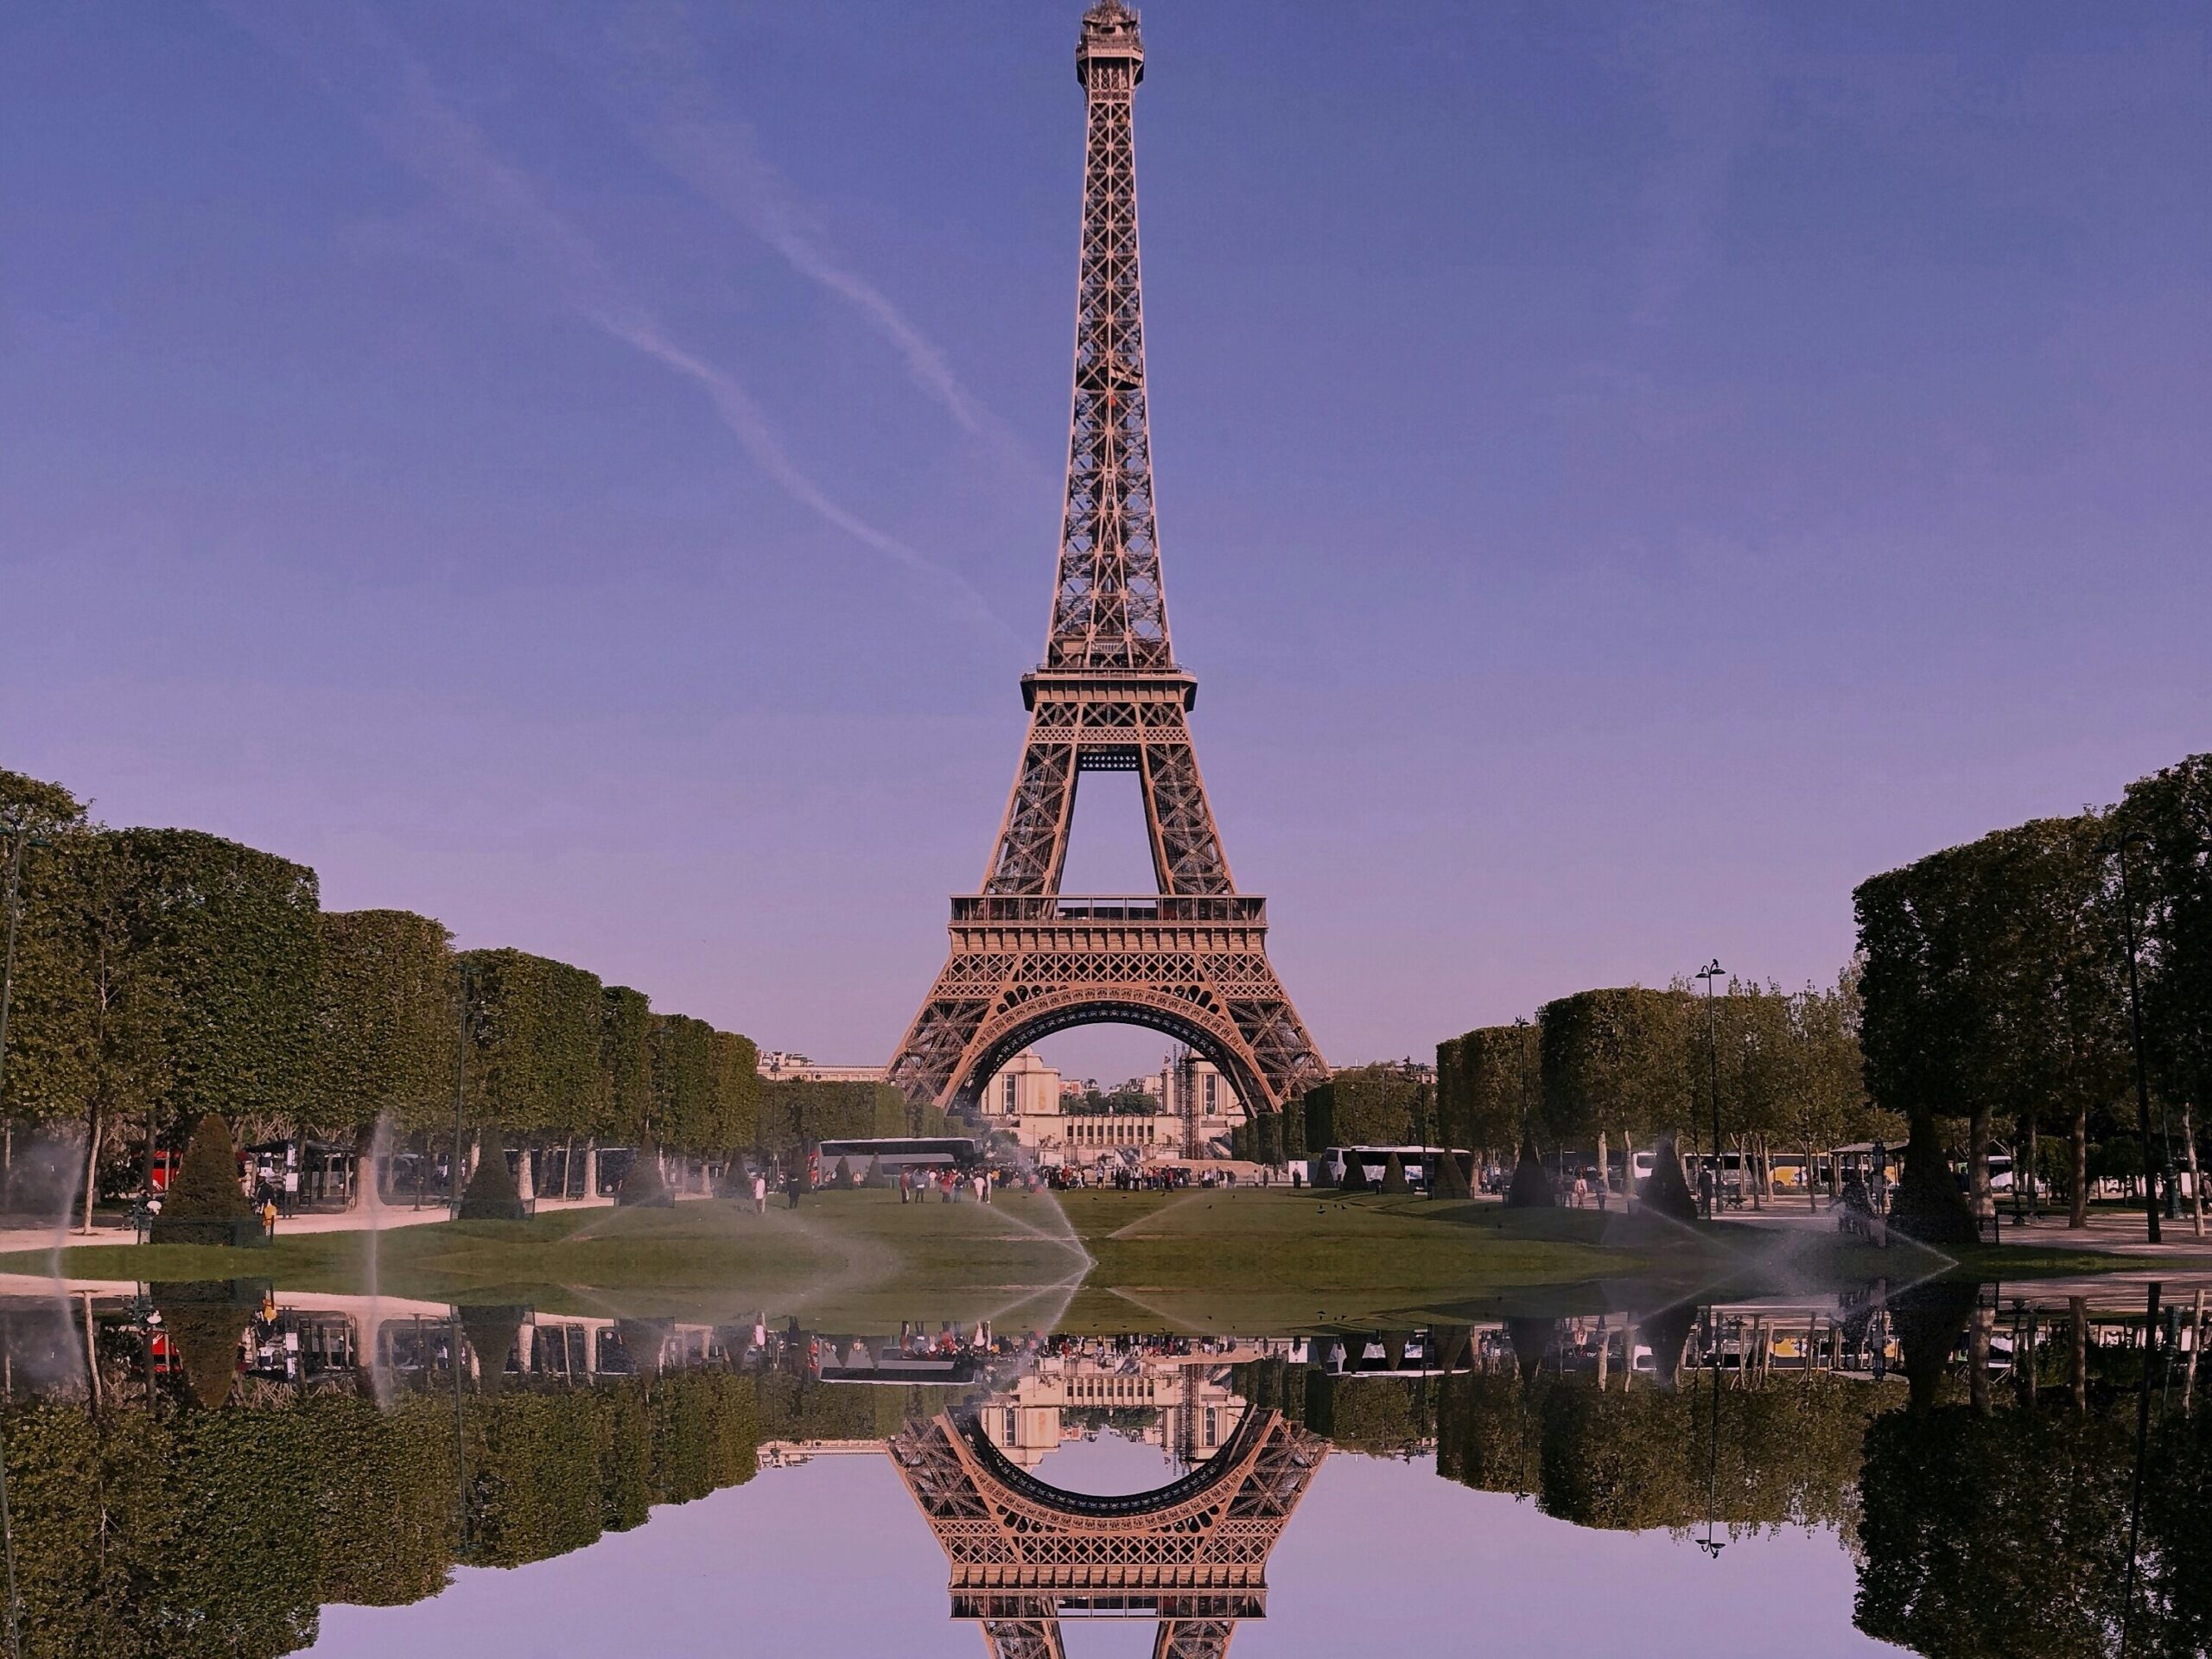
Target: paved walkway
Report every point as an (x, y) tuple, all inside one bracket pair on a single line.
[(2109, 1231), (116, 1229)]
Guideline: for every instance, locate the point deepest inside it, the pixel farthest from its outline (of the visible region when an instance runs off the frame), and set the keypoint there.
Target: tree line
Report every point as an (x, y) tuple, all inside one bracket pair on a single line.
[(1631, 1066), (1997, 997), (1989, 998), (162, 976)]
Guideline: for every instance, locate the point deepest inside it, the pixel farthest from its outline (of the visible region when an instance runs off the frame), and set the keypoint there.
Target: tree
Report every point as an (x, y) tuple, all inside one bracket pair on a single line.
[(642, 1187), (1916, 1035), (737, 1093), (1531, 1188), (1394, 1175), (207, 1186), (1365, 1106), (534, 1039), (235, 937), (2172, 809), (625, 1065), (1990, 996), (1617, 1061), (50, 1024), (386, 1025), (1494, 1093), (491, 1195), (683, 1052), (1665, 1191)]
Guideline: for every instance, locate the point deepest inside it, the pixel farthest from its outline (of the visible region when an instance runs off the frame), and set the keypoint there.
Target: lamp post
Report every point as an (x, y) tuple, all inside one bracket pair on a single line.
[(1711, 1545), (2116, 847), (1709, 973)]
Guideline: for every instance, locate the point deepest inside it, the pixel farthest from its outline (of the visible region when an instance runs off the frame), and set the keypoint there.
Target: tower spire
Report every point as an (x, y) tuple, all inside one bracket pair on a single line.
[(1109, 610)]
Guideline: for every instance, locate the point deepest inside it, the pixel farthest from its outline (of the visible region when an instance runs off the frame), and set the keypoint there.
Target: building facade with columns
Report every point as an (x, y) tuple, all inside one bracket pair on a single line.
[(1189, 1111)]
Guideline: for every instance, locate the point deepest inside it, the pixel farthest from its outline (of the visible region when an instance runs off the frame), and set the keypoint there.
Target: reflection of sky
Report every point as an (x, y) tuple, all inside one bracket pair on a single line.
[(832, 1559)]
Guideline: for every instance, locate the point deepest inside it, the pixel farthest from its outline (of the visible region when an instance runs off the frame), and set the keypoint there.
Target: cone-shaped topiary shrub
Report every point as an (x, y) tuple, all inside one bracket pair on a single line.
[(1394, 1176), (642, 1186), (1665, 1333), (1664, 1192), (1928, 1203), (1532, 1341), (491, 1333), (202, 1323), (840, 1179), (1450, 1181), (1355, 1178), (1531, 1188), (490, 1193), (207, 1187), (876, 1178)]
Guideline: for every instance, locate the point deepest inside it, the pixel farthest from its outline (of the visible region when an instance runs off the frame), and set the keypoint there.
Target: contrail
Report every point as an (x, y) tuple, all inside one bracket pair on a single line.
[(423, 134), (719, 160)]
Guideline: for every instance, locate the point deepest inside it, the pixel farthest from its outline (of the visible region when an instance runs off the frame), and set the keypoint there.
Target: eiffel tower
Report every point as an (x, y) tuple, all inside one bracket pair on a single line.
[(1190, 959), (1192, 1555)]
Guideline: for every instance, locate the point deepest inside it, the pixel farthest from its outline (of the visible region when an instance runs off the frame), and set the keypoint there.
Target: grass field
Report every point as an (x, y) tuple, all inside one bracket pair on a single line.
[(1247, 1260)]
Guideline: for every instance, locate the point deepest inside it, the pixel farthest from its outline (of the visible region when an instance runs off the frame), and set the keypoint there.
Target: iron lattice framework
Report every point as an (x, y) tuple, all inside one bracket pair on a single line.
[(1190, 960), (1192, 1555)]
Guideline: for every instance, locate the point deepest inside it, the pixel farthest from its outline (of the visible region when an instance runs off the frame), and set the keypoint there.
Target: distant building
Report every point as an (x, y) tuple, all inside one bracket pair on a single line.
[(781, 1063), (1201, 1104)]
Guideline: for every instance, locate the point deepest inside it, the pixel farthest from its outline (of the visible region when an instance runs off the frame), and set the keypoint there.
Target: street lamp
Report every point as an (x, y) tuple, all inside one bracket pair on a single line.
[(1711, 1545), (1709, 973), (2117, 847)]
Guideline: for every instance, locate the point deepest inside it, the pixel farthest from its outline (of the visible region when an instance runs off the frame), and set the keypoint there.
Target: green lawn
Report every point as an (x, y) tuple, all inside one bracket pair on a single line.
[(1249, 1260)]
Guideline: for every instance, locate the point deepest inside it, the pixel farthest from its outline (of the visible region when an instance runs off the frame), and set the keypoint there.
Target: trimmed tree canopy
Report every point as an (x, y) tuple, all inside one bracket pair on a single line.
[(206, 1186), (386, 1023)]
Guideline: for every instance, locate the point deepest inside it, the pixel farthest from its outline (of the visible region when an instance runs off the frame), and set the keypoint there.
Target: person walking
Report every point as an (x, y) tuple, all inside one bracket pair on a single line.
[(905, 1187), (760, 1192)]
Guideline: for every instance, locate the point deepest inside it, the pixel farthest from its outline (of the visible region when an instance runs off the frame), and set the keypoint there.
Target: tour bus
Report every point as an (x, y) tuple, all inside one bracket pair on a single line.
[(894, 1153), (1417, 1162)]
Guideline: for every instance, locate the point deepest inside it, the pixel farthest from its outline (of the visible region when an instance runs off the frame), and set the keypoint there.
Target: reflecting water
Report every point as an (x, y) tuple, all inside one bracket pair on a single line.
[(210, 1469)]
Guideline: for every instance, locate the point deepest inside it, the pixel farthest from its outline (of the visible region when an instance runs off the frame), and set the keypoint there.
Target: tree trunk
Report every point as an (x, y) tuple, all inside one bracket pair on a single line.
[(2196, 1177), (1979, 1199), (1812, 1186), (1978, 1336), (92, 1167), (2078, 1311), (2195, 1347), (2077, 1143), (1628, 1172), (1605, 1168), (2033, 1194)]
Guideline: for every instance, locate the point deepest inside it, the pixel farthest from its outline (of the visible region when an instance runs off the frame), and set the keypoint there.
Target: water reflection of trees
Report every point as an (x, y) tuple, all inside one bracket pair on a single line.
[(1987, 1487), (146, 1523)]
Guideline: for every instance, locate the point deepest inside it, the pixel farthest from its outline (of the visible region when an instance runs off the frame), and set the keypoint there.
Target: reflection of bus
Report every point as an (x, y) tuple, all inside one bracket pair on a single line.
[(897, 1151)]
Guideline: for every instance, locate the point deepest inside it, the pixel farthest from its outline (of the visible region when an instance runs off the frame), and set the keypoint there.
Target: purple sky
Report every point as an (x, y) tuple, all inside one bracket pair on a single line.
[(589, 472), (832, 1559)]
